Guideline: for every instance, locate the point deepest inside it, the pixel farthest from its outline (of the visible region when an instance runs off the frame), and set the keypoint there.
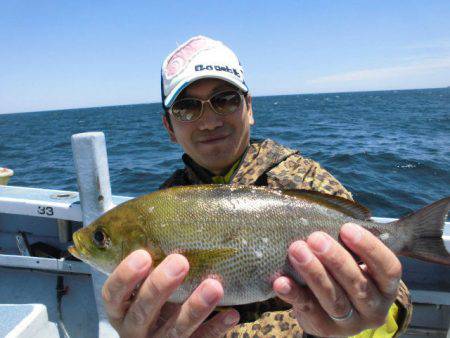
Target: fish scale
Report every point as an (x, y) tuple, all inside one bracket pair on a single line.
[(240, 235)]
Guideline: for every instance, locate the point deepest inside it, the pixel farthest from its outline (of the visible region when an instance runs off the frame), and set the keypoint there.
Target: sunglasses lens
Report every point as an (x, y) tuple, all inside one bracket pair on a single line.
[(186, 110), (226, 102)]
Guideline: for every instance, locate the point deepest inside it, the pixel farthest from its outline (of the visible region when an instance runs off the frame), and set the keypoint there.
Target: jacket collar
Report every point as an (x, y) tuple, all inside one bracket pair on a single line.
[(259, 157)]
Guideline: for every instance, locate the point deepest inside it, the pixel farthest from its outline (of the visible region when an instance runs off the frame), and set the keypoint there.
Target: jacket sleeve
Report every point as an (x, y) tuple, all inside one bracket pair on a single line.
[(405, 307), (297, 172), (279, 324)]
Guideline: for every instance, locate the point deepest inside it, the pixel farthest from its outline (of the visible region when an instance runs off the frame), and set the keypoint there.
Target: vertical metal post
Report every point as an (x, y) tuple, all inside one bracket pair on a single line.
[(91, 163), (63, 230)]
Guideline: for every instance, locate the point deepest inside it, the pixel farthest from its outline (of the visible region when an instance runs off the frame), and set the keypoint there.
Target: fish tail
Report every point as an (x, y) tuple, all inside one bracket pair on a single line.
[(426, 227)]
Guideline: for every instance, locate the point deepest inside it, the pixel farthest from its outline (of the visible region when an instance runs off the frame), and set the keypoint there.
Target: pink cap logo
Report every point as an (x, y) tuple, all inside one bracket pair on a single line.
[(181, 58)]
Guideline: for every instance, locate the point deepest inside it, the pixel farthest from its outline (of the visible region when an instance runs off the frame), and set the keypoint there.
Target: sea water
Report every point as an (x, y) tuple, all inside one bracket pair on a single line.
[(391, 149)]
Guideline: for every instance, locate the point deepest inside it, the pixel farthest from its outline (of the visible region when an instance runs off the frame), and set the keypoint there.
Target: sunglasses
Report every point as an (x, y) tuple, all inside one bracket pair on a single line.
[(191, 109)]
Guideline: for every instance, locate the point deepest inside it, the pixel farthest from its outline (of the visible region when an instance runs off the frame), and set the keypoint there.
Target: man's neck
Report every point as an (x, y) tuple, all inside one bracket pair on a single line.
[(211, 171), (224, 171)]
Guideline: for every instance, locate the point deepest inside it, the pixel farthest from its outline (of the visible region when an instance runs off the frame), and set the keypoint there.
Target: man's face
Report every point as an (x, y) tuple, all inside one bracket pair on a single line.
[(214, 142)]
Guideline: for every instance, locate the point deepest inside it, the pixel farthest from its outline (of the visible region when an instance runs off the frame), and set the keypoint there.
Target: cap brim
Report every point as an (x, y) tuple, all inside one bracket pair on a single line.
[(168, 101)]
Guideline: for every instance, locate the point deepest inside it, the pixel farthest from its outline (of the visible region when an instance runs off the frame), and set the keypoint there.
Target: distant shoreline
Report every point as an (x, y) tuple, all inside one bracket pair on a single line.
[(274, 95)]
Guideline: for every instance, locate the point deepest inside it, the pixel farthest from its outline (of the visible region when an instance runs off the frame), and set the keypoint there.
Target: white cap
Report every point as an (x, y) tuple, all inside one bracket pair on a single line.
[(198, 58)]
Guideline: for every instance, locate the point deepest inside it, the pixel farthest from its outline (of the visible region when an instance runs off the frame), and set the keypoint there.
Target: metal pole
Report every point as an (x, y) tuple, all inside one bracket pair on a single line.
[(63, 230), (91, 164)]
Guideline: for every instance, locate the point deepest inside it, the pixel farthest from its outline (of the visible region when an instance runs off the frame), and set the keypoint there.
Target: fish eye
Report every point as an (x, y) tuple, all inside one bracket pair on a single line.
[(100, 238)]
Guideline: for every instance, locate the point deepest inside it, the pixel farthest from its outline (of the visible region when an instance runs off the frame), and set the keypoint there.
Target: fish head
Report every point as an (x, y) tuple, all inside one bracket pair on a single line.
[(110, 238)]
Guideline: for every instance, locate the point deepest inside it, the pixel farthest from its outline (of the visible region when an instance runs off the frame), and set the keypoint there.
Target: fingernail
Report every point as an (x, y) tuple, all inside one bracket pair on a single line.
[(352, 232), (319, 242), (208, 294), (301, 253), (173, 268), (138, 260), (231, 318), (284, 288)]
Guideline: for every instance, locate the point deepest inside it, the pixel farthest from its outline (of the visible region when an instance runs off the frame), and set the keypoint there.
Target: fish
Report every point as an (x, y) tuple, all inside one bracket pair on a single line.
[(240, 235)]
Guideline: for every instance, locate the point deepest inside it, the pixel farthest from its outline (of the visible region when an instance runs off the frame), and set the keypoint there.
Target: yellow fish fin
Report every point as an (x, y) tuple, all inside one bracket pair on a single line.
[(202, 260), (340, 204)]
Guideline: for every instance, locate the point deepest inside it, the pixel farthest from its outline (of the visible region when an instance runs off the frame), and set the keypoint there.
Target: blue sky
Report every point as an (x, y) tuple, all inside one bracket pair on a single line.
[(68, 54)]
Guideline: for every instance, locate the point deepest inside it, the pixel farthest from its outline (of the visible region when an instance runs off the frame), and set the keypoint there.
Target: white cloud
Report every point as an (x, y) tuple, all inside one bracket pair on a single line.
[(413, 69), (433, 44)]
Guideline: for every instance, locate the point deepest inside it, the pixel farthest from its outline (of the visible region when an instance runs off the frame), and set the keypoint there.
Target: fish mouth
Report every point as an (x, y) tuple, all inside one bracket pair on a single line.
[(77, 250), (74, 252)]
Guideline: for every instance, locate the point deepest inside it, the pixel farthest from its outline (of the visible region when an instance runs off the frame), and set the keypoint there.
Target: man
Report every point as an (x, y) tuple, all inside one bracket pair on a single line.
[(209, 113)]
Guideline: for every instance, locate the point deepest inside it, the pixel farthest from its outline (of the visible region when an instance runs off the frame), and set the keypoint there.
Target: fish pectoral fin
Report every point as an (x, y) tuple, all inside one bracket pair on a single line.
[(343, 205), (203, 259)]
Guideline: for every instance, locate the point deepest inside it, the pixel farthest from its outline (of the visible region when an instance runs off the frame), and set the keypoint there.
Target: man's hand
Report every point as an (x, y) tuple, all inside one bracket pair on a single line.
[(146, 312), (341, 298)]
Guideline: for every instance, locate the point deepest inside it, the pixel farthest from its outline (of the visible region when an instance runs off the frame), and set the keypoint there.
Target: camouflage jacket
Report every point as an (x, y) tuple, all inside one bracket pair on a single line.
[(266, 163)]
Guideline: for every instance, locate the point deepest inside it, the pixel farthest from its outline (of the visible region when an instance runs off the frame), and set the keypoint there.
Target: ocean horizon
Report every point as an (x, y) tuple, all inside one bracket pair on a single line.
[(288, 94)]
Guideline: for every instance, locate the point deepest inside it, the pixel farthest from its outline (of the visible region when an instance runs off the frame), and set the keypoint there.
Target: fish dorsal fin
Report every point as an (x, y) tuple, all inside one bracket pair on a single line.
[(337, 203), (202, 260)]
